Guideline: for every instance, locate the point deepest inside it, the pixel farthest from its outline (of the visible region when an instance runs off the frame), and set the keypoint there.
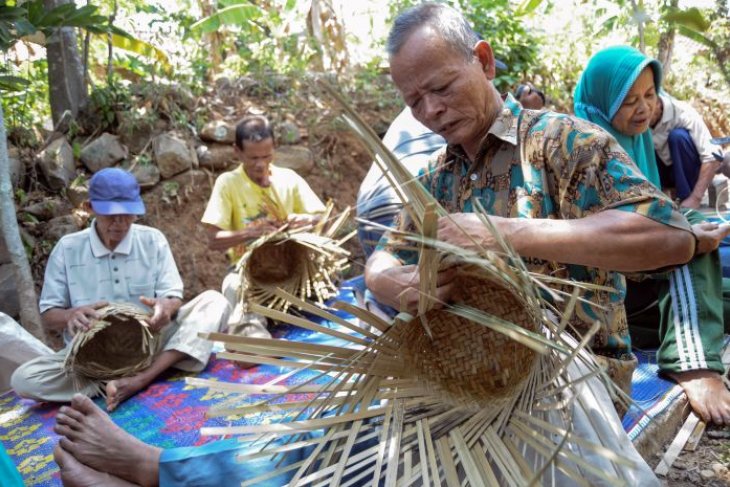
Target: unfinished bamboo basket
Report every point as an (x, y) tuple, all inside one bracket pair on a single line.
[(479, 392), (305, 262), (118, 344), (468, 364)]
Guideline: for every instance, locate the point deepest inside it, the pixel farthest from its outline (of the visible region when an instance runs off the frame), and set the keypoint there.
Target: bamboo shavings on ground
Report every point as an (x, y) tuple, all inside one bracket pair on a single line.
[(306, 262)]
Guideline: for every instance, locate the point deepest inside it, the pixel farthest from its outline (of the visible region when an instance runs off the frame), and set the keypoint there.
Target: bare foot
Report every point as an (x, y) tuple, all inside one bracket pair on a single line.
[(94, 440), (707, 394), (119, 390), (76, 474)]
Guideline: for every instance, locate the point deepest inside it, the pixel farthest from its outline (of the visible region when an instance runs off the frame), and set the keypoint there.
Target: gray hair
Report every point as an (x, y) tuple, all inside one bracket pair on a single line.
[(448, 22)]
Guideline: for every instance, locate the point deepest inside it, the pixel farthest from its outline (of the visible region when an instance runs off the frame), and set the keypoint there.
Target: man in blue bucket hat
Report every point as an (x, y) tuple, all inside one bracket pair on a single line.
[(117, 261)]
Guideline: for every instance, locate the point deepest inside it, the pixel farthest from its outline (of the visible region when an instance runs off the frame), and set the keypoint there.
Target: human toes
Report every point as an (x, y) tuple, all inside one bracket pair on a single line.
[(83, 404), (69, 417)]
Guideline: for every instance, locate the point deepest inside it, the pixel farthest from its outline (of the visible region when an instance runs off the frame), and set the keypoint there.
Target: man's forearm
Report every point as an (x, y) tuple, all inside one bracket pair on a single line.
[(611, 239), (707, 172), (55, 319), (225, 239)]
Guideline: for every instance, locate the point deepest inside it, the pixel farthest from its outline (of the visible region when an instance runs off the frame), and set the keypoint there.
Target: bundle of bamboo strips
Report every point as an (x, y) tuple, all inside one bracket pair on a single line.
[(118, 344), (480, 392), (306, 261)]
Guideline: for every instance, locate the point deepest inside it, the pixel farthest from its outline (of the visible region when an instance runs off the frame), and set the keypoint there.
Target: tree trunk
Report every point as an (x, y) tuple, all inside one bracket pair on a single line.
[(30, 318), (67, 90), (666, 41)]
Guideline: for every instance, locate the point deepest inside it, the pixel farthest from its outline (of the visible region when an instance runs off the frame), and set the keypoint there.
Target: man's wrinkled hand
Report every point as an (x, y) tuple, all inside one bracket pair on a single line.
[(691, 202), (709, 235), (403, 292), (80, 318), (163, 309), (301, 219), (466, 230)]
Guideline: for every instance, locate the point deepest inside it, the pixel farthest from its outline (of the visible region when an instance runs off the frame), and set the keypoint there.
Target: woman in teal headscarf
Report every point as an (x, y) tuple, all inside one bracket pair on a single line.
[(602, 92), (618, 91)]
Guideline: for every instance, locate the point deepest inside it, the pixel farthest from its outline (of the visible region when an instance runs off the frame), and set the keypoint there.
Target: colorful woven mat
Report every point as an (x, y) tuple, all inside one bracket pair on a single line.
[(167, 414), (653, 395), (170, 414)]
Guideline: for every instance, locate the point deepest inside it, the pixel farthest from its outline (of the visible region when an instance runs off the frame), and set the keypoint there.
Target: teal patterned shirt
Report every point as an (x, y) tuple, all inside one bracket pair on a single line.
[(570, 169)]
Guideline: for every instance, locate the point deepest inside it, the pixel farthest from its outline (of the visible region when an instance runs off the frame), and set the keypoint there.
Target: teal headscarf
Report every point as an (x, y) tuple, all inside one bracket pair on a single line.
[(601, 90)]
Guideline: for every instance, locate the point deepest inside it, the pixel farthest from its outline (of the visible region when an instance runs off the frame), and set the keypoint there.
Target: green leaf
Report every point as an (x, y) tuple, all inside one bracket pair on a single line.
[(13, 83), (24, 28), (233, 15), (697, 37), (123, 40), (691, 18), (527, 6)]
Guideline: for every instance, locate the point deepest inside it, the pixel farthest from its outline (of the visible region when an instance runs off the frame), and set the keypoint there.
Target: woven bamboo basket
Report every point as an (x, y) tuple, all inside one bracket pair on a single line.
[(465, 363), (118, 344), (306, 262)]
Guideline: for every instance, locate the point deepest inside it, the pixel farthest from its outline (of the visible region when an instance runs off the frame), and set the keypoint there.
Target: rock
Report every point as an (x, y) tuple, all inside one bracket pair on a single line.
[(193, 179), (78, 191), (147, 174), (9, 303), (217, 156), (103, 152), (60, 226), (288, 133), (719, 469), (48, 208), (172, 155), (17, 168), (707, 475), (222, 83), (135, 130), (680, 465), (24, 137), (718, 434), (218, 131), (57, 164), (295, 157)]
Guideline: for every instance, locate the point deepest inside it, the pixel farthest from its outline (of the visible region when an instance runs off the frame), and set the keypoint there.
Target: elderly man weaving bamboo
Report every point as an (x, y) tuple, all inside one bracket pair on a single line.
[(116, 260), (562, 192)]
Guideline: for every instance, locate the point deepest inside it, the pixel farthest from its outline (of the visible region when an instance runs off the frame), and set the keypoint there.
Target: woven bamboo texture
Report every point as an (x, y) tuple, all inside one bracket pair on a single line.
[(118, 344), (306, 262)]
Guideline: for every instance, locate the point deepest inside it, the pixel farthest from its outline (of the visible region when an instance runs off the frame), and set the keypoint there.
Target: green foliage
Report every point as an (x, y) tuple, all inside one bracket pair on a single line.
[(104, 104), (235, 15), (26, 105), (691, 18)]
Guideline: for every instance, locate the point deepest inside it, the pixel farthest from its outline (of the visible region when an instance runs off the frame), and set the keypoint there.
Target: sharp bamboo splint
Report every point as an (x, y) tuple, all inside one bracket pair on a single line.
[(477, 393)]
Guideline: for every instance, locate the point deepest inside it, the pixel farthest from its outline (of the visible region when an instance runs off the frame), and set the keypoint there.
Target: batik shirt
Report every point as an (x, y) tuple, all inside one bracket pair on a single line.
[(570, 169)]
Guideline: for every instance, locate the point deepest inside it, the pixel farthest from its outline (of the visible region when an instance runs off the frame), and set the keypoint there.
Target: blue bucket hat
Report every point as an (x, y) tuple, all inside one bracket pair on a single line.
[(114, 191)]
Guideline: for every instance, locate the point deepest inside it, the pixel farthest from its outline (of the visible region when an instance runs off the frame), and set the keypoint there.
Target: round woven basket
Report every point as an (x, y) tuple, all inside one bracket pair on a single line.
[(274, 263), (118, 344), (469, 364)]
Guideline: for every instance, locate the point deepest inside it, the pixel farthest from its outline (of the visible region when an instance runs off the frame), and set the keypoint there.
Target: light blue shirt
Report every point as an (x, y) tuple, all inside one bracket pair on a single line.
[(82, 271), (412, 143)]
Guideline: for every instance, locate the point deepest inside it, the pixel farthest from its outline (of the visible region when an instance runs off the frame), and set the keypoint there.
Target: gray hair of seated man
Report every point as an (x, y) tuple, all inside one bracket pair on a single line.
[(450, 23)]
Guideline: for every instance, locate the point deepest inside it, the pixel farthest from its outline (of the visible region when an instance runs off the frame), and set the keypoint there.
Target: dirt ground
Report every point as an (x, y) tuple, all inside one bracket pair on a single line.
[(707, 465)]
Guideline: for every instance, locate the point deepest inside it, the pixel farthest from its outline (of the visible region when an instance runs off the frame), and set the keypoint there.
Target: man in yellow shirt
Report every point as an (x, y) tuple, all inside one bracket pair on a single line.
[(236, 212)]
